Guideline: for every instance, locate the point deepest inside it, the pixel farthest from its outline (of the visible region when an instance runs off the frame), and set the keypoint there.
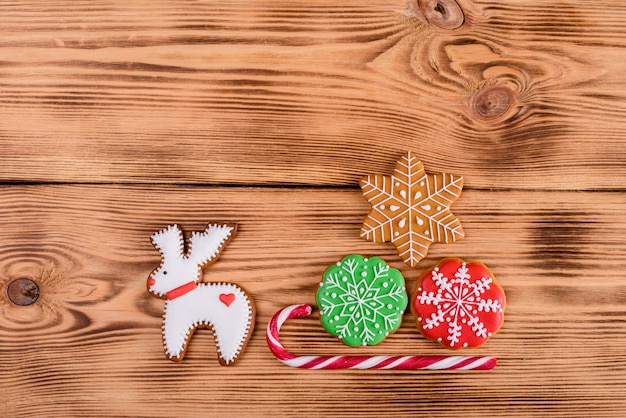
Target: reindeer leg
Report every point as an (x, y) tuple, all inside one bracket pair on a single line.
[(232, 322), (177, 330)]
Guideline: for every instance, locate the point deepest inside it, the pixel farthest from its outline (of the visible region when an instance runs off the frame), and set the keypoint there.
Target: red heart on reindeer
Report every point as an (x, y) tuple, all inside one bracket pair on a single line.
[(227, 298)]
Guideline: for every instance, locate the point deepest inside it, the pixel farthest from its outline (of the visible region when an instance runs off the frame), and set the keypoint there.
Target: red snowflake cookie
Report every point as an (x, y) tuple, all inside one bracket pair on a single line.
[(458, 303)]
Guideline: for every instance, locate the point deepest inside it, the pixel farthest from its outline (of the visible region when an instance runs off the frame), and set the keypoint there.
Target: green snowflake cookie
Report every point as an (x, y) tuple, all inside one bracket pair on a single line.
[(361, 300)]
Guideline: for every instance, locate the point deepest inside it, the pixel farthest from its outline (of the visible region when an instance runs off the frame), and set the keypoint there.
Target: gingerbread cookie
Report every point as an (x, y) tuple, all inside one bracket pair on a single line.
[(361, 300), (411, 208), (224, 307), (458, 303)]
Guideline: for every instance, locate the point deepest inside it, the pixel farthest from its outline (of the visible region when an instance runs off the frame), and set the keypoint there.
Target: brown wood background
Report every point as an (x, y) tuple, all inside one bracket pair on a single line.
[(118, 118)]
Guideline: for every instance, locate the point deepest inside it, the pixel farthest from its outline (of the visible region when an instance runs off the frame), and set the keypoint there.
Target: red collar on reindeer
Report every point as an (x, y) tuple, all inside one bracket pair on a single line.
[(181, 290)]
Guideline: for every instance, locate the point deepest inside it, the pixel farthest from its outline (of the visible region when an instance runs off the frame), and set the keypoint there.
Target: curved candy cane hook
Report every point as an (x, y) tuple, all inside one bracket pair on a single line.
[(363, 362)]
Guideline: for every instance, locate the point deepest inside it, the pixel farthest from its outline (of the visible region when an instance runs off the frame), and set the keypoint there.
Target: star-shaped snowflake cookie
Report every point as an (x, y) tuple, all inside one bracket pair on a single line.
[(411, 208)]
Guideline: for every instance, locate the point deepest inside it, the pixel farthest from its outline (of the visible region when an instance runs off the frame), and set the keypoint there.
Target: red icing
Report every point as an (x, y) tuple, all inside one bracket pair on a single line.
[(462, 306), (151, 281), (181, 290), (227, 298)]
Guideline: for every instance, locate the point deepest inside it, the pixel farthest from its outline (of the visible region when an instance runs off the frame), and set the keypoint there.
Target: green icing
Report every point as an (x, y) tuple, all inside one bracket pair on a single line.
[(361, 300)]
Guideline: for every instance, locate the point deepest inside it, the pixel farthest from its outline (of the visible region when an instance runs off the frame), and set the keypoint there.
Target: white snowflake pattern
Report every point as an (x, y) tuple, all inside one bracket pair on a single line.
[(362, 306), (458, 301), (411, 208)]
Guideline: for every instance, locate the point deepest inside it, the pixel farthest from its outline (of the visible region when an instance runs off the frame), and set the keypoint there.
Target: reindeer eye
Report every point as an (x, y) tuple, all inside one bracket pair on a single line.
[(165, 273)]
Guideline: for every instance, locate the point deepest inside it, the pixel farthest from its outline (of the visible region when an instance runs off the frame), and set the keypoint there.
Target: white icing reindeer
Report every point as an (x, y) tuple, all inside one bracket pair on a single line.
[(224, 307)]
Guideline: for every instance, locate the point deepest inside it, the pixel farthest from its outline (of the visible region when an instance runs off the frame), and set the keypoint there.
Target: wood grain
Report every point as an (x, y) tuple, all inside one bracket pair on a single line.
[(203, 92), (118, 118), (91, 345)]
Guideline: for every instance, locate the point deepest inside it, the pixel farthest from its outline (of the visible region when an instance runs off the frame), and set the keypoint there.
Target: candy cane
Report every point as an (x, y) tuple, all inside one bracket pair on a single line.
[(363, 362)]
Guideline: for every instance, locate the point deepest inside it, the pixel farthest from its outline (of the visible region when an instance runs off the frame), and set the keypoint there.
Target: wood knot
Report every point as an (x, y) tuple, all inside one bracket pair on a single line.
[(445, 14), (23, 292), (492, 103)]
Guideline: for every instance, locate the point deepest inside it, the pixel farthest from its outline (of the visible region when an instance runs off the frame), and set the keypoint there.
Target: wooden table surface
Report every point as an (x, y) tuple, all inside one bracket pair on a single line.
[(118, 118)]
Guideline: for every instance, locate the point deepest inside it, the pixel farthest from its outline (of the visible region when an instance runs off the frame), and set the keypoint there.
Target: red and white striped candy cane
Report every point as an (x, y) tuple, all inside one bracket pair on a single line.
[(363, 362)]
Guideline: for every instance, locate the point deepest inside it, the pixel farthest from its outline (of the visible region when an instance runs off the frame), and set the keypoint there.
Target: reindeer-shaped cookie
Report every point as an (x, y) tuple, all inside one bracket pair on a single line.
[(224, 307)]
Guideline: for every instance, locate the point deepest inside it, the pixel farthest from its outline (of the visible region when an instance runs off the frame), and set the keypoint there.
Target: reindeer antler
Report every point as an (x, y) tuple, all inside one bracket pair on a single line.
[(204, 247), (169, 242)]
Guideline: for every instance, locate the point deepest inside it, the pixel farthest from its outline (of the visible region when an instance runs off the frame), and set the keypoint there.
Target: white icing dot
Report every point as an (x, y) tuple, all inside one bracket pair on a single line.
[(356, 329), (385, 284), (336, 317), (397, 184), (344, 279), (382, 207), (363, 274), (465, 344), (438, 208), (366, 259), (334, 295), (464, 321), (427, 232), (326, 294), (376, 325), (474, 311), (351, 308), (338, 263), (489, 334), (422, 183), (390, 306), (386, 334), (363, 343), (395, 234), (419, 289), (419, 318), (439, 339)]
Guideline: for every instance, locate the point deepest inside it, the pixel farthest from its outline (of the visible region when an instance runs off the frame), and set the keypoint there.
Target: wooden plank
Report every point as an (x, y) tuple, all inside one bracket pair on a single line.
[(91, 344), (524, 95)]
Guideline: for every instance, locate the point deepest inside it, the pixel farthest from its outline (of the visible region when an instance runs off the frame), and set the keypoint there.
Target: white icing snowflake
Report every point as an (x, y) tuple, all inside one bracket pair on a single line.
[(411, 208), (461, 311), (361, 300)]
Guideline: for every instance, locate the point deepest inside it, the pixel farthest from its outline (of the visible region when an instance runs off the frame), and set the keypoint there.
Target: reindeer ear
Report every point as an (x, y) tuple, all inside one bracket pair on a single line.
[(169, 241), (204, 247)]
